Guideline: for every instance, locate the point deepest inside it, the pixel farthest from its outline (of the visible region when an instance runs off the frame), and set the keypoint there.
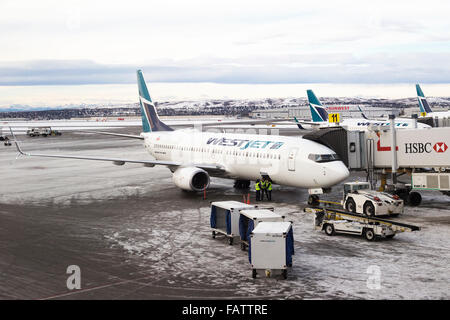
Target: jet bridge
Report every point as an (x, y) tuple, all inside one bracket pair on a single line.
[(423, 153)]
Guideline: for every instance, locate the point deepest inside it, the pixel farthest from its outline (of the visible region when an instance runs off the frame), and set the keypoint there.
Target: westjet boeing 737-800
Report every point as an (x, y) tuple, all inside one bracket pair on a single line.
[(194, 156)]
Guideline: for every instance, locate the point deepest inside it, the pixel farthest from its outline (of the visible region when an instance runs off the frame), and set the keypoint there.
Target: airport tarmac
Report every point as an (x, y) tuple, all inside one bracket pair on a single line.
[(135, 235)]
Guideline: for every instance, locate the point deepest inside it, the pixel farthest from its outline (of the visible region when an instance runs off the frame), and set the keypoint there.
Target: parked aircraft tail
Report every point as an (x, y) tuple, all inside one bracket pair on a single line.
[(318, 112), (150, 119), (423, 103), (362, 113)]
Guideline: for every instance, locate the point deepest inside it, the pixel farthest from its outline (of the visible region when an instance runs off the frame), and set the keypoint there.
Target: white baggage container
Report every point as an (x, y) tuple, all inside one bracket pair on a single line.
[(271, 246), (224, 218), (249, 219)]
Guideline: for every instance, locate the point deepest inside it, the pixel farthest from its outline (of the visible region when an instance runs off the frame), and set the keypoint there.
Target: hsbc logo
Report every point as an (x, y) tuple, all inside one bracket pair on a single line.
[(419, 147), (440, 147)]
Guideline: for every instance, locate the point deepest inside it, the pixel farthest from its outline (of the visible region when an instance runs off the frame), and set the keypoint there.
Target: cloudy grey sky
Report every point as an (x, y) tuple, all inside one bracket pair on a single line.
[(50, 42)]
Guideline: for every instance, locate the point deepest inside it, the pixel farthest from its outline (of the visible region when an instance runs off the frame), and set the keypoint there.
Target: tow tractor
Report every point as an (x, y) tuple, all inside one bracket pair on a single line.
[(359, 198), (334, 221)]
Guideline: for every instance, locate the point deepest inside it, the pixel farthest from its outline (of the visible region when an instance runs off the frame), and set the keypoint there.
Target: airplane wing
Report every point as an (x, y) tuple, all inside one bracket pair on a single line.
[(114, 134), (119, 161)]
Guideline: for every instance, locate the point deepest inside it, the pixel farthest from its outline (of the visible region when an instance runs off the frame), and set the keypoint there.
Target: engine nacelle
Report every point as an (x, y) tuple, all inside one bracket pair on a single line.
[(191, 178)]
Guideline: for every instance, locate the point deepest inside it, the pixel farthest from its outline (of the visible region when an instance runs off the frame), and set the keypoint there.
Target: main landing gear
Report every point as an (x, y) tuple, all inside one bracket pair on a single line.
[(242, 184)]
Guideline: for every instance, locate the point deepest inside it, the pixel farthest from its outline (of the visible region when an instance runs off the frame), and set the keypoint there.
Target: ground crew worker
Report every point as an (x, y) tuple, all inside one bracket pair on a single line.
[(263, 188), (258, 190), (269, 189)]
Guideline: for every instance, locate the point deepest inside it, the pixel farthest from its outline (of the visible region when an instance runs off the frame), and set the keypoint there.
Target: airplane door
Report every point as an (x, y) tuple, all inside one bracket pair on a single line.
[(291, 159)]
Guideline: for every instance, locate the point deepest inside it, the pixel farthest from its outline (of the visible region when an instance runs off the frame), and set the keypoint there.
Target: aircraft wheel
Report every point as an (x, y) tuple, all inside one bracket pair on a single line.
[(313, 200)]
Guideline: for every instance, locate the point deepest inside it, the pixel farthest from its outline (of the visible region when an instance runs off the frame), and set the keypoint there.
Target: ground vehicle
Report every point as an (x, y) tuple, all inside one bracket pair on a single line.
[(359, 198), (42, 131), (7, 142), (334, 221)]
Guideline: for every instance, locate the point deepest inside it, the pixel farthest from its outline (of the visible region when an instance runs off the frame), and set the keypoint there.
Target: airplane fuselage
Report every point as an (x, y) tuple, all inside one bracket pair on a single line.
[(286, 160), (364, 124)]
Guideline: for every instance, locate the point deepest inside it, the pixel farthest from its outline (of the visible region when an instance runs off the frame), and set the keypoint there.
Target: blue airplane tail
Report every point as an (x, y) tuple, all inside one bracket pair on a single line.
[(299, 125), (362, 113), (318, 112), (423, 103), (150, 119)]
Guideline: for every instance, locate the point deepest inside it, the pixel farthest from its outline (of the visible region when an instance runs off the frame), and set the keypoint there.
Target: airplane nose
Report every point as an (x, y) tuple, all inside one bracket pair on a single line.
[(337, 172)]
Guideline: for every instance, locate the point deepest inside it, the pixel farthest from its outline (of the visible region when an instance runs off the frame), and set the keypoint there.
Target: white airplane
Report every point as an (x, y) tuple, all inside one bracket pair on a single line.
[(320, 118), (425, 107), (194, 156)]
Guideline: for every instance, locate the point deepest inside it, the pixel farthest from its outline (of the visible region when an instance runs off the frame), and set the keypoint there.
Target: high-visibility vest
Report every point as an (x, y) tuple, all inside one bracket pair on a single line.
[(269, 186), (257, 187)]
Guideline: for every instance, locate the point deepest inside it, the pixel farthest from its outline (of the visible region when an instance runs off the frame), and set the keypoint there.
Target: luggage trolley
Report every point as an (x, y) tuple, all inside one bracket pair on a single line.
[(249, 219), (225, 218), (271, 246)]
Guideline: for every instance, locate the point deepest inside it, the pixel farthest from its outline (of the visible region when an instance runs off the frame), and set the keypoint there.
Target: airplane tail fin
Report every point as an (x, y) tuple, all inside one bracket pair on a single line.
[(318, 112), (423, 103), (298, 124), (362, 113), (150, 119)]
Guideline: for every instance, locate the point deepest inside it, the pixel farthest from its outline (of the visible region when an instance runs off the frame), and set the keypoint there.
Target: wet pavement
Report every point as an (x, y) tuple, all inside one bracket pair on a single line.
[(135, 235)]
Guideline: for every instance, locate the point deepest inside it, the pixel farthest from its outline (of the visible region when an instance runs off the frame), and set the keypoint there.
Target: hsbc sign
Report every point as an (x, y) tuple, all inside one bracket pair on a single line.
[(428, 147)]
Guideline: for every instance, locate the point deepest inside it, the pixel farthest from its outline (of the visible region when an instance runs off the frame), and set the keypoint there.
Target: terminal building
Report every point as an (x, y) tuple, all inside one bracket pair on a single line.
[(346, 111)]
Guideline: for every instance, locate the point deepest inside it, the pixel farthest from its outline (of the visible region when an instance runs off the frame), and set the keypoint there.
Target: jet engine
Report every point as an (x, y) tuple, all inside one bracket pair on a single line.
[(191, 178)]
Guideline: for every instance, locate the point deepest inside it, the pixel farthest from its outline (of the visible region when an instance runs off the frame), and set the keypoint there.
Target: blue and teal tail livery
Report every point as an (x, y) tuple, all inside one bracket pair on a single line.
[(150, 119), (362, 113), (318, 113), (423, 103), (298, 124)]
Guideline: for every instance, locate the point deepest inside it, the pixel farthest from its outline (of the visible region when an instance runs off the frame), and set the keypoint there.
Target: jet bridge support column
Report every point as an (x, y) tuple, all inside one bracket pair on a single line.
[(393, 148), (414, 117)]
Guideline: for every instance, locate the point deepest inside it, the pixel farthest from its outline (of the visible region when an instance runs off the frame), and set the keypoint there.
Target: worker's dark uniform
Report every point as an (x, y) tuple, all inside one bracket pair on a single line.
[(258, 191)]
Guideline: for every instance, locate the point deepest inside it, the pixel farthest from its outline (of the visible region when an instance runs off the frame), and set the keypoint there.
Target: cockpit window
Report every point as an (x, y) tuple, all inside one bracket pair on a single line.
[(323, 157)]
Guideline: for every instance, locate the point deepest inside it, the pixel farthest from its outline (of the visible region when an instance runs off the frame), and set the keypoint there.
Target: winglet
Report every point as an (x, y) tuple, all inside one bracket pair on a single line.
[(17, 143)]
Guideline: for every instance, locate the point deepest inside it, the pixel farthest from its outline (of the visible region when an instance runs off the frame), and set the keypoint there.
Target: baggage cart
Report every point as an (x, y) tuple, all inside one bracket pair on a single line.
[(224, 218), (271, 246), (249, 219)]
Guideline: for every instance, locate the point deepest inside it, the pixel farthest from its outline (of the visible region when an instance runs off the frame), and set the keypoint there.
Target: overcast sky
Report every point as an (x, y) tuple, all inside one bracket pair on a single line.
[(88, 42)]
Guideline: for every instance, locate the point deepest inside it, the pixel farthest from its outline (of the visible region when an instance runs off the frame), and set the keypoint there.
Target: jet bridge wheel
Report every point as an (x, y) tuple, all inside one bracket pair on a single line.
[(414, 199)]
